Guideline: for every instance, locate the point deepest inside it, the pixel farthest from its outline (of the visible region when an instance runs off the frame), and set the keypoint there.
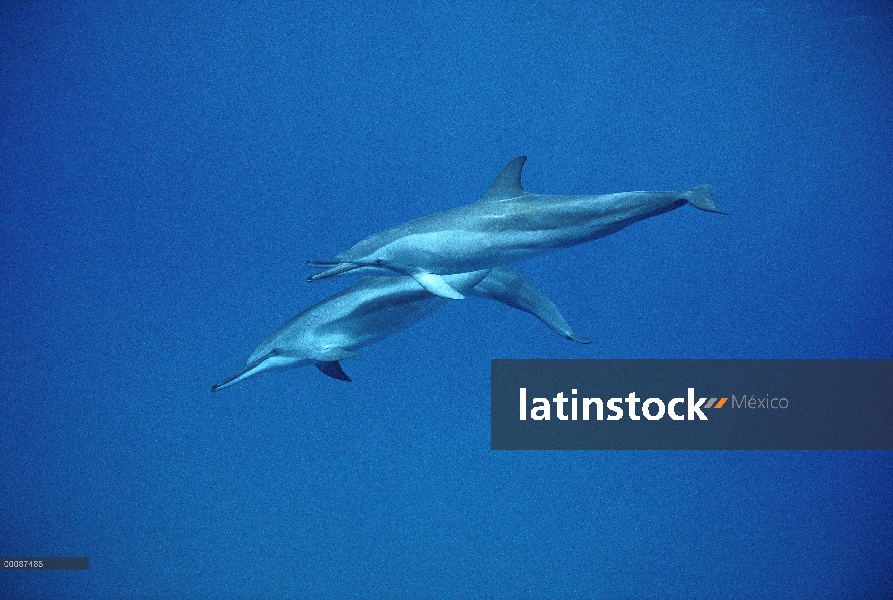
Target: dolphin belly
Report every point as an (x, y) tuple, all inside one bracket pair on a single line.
[(440, 252)]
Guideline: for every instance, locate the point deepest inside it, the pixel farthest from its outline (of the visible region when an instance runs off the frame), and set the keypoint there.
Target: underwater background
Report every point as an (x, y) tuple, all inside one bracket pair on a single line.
[(167, 168)]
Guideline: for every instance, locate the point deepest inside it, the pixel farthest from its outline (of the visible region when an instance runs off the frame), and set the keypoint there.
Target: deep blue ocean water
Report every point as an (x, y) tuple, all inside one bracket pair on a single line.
[(167, 168)]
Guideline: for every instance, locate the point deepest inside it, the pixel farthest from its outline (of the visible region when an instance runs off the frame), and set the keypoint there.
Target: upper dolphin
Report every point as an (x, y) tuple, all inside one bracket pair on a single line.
[(376, 307), (505, 225)]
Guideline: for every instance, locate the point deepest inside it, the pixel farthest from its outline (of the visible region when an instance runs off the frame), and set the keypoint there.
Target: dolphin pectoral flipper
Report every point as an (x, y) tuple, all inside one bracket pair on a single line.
[(437, 285), (333, 369), (702, 197), (509, 287)]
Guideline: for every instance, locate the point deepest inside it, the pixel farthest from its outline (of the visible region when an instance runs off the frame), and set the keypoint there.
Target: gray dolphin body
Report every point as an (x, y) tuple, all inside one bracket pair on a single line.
[(507, 224), (377, 307)]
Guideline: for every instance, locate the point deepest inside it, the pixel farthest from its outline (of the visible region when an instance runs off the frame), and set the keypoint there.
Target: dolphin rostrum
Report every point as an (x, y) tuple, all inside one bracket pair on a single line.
[(507, 224), (376, 307)]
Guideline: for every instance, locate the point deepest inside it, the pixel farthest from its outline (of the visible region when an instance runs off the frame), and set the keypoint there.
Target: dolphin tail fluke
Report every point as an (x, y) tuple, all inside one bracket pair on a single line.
[(702, 197), (509, 287), (437, 285), (333, 369)]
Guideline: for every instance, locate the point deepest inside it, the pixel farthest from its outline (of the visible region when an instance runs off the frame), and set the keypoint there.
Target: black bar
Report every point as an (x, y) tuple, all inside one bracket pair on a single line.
[(770, 404), (44, 563)]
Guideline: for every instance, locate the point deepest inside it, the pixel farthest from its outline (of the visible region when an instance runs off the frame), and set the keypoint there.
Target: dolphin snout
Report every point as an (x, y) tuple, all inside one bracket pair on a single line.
[(337, 269)]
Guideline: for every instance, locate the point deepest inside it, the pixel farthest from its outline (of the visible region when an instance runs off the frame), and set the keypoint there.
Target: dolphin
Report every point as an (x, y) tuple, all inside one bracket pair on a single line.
[(376, 307), (507, 224)]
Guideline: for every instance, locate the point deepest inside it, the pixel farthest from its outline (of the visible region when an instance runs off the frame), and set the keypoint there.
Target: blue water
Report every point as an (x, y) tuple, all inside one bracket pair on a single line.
[(166, 168)]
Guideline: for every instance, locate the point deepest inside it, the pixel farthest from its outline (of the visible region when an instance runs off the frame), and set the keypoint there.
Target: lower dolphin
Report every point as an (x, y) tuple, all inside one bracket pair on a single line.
[(377, 307), (507, 224)]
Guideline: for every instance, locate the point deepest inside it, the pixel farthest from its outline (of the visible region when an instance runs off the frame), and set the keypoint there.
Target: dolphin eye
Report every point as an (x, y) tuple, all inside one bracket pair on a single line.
[(275, 352)]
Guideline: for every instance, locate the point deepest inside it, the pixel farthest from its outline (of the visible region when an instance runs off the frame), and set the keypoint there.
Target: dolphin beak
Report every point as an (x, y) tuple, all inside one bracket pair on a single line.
[(243, 374), (233, 379), (252, 368), (337, 269)]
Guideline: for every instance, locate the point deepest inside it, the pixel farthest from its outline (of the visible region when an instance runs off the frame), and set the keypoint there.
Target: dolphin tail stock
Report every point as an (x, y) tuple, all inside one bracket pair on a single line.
[(509, 287), (702, 197)]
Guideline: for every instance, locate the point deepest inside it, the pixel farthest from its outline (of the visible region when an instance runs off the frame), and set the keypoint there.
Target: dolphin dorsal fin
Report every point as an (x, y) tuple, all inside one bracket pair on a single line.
[(508, 182)]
